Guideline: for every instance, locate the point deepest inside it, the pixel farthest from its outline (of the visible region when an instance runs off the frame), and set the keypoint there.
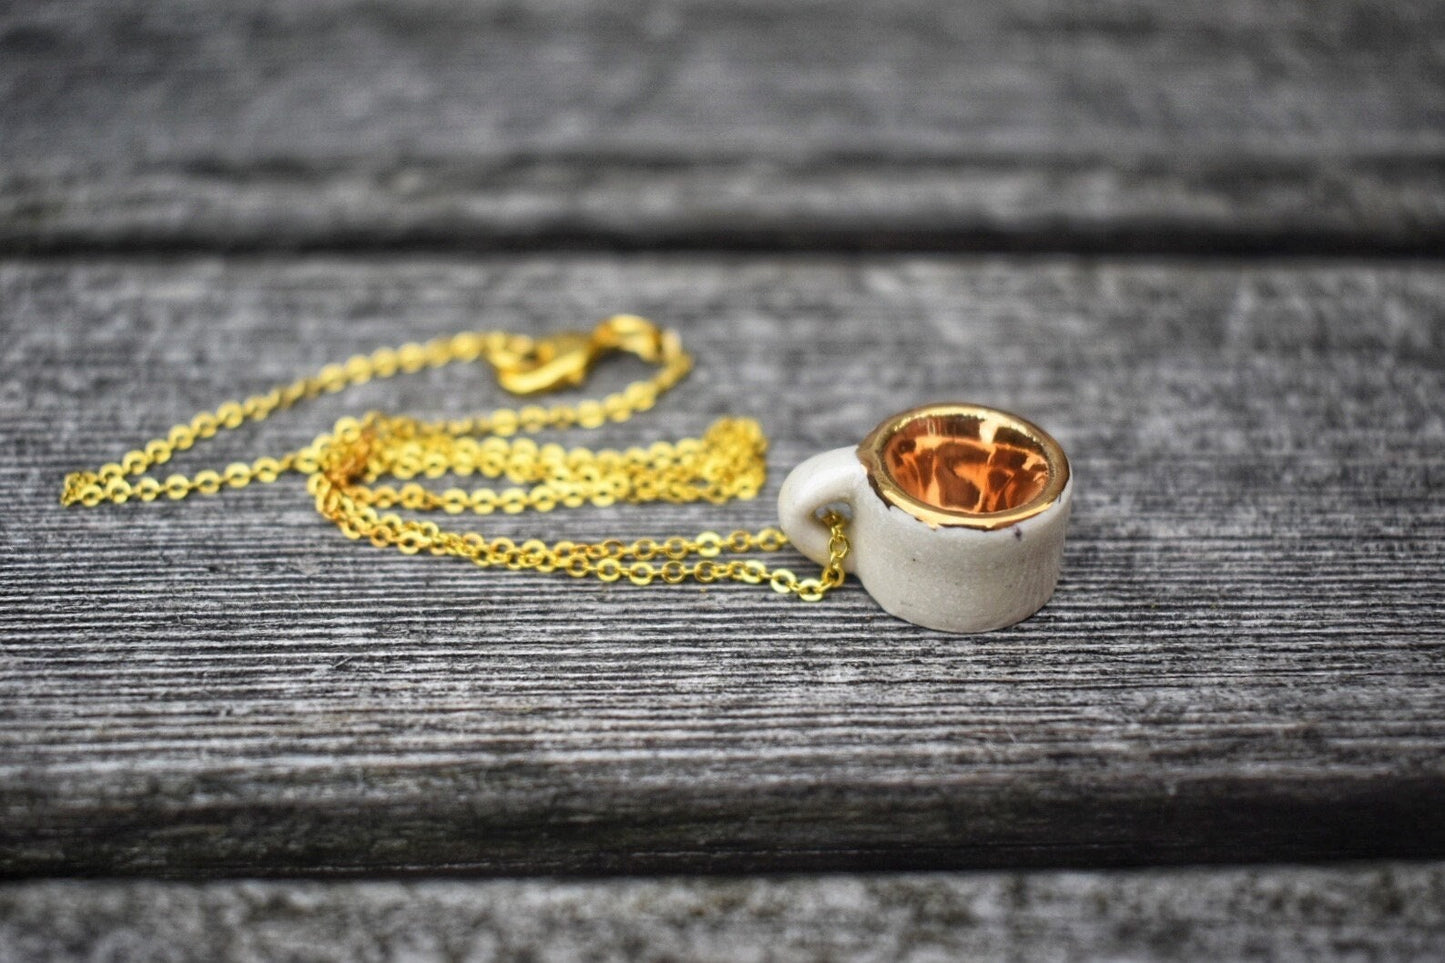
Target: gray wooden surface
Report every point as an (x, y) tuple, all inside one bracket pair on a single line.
[(1235, 329), (1113, 125), (1281, 914), (1243, 660)]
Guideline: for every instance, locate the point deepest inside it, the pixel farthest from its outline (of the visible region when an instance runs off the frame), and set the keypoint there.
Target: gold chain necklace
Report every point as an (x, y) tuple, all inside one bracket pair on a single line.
[(343, 467)]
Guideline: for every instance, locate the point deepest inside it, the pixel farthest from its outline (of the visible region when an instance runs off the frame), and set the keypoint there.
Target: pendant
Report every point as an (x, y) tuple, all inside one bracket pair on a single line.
[(957, 514)]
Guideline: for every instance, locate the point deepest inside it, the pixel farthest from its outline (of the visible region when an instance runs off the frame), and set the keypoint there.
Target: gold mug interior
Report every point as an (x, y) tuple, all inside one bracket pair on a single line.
[(964, 465)]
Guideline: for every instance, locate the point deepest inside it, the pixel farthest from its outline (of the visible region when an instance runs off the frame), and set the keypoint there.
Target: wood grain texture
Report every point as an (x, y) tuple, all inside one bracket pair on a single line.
[(1115, 125), (1243, 661), (1285, 914)]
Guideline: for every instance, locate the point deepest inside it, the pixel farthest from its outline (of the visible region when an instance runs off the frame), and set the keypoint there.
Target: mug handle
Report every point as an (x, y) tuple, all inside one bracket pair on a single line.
[(826, 479)]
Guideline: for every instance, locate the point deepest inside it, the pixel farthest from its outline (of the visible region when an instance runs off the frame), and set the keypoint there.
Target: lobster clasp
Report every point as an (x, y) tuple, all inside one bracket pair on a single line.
[(564, 360), (557, 361)]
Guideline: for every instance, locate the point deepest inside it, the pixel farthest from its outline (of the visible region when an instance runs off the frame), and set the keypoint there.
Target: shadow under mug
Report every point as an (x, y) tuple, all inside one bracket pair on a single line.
[(957, 514)]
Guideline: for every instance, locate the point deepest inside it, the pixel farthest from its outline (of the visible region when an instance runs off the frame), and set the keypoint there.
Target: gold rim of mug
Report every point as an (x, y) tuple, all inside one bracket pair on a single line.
[(870, 452)]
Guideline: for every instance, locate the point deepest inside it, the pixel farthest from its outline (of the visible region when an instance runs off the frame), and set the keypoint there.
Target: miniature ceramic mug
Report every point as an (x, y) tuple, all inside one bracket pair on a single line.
[(958, 514)]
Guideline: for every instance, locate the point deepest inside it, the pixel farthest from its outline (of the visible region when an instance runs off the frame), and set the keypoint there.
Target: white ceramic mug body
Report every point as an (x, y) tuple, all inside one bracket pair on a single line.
[(950, 578)]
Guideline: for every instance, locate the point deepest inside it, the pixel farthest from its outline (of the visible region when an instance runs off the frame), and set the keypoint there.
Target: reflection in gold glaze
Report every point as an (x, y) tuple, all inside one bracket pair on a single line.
[(942, 461), (963, 465)]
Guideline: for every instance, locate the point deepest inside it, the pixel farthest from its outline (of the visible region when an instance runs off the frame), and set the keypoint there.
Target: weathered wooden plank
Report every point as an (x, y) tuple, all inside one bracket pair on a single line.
[(1243, 661), (1304, 126), (1387, 912)]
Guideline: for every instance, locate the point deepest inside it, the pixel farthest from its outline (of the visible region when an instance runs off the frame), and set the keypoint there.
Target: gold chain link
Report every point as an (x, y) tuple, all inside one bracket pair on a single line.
[(342, 467)]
